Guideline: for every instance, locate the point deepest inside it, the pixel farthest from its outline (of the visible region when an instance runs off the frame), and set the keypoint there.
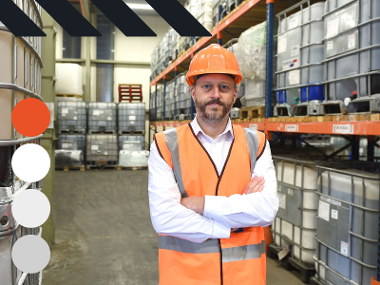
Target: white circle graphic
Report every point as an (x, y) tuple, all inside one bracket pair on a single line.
[(30, 254), (31, 162), (31, 208)]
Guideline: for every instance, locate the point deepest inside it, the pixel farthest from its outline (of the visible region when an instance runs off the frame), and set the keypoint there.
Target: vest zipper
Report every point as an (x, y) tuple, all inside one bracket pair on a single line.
[(217, 188)]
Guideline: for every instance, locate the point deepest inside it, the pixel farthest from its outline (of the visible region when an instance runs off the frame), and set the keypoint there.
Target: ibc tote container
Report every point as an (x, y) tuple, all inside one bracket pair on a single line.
[(131, 117), (72, 117), (169, 100), (152, 106), (131, 138), (347, 223), (352, 39), (295, 223), (20, 73), (160, 97), (134, 158), (205, 14), (101, 151), (72, 142), (102, 117), (300, 56)]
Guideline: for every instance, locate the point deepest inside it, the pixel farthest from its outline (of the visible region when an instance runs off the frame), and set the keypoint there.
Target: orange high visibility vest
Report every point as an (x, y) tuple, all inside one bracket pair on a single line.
[(237, 260)]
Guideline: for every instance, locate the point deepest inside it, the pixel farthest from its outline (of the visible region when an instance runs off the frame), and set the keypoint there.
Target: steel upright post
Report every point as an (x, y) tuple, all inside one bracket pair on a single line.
[(164, 101), (269, 71), (155, 105)]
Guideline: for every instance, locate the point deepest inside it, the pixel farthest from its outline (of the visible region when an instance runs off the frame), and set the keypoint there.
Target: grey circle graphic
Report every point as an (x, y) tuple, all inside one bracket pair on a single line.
[(30, 254)]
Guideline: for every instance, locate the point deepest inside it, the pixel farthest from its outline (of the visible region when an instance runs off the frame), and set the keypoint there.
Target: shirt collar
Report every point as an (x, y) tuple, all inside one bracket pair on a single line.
[(197, 128)]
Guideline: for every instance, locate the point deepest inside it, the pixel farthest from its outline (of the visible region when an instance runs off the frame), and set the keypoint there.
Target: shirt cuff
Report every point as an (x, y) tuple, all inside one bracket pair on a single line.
[(213, 207), (220, 230)]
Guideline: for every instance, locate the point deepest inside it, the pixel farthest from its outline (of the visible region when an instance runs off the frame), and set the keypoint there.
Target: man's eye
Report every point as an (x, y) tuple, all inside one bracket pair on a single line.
[(224, 87), (206, 86)]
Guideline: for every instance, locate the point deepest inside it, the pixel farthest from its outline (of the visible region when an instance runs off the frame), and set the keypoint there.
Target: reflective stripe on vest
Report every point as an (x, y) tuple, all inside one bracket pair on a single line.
[(244, 252)]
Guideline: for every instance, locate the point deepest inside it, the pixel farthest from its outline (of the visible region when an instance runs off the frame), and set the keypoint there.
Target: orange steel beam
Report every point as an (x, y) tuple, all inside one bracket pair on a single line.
[(349, 128), (82, 8)]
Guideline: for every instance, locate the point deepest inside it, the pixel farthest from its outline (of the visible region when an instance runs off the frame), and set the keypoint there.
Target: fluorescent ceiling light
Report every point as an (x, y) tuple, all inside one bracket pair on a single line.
[(135, 6)]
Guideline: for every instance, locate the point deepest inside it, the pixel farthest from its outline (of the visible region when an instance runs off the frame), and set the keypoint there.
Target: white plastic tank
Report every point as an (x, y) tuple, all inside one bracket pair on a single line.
[(69, 78), (102, 116), (102, 150), (72, 116), (131, 117), (134, 158), (347, 213), (131, 138)]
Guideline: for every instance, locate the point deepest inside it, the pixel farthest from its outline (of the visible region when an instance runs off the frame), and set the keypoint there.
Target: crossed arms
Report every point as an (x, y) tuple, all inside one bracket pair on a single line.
[(200, 218)]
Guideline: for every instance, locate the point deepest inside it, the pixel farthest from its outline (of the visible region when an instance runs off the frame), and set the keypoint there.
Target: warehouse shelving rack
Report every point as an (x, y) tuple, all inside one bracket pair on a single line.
[(247, 14)]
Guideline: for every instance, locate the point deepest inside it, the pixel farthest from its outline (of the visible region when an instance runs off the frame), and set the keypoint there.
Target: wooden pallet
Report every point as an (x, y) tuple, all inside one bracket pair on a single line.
[(130, 132), (252, 112), (327, 118), (75, 132), (93, 132), (121, 167), (69, 95), (255, 120), (71, 167), (289, 263)]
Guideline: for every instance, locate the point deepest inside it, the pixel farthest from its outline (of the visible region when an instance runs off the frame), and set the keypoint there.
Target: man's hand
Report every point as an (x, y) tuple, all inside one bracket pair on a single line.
[(255, 185), (195, 203)]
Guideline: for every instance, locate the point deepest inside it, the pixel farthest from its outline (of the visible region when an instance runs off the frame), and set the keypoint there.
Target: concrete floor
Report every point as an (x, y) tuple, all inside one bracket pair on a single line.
[(104, 234)]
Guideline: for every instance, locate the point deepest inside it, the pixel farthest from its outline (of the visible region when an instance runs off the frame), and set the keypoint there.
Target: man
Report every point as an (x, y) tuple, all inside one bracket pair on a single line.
[(212, 186)]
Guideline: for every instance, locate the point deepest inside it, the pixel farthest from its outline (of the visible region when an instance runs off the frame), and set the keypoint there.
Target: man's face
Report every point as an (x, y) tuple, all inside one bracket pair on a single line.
[(214, 96)]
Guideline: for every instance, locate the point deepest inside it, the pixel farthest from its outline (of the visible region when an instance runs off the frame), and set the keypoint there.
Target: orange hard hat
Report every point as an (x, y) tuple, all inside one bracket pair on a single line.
[(213, 59)]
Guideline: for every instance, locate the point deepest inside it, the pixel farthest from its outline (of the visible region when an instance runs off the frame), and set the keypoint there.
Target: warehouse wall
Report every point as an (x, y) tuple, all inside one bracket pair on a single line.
[(135, 49)]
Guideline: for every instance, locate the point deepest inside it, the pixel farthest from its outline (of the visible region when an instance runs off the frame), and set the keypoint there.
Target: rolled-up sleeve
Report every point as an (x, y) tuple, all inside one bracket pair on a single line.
[(255, 209), (168, 215)]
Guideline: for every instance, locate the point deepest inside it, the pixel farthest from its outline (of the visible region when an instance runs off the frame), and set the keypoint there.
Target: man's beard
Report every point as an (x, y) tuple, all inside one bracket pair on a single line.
[(213, 118)]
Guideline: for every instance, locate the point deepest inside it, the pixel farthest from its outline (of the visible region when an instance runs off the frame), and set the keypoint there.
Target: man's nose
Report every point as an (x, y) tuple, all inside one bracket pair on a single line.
[(215, 92)]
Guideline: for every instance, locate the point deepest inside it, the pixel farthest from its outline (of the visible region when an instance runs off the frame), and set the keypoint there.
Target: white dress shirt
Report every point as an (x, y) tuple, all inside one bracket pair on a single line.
[(221, 214)]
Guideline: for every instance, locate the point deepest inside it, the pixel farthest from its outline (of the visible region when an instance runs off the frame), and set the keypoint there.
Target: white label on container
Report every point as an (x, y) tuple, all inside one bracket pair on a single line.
[(253, 126), (291, 128), (132, 118), (332, 28), (295, 50), (96, 113), (294, 77), (282, 200), (330, 45), (344, 248), (132, 112), (75, 118), (65, 145), (290, 192), (352, 41), (106, 153), (64, 111), (293, 21), (331, 201), (125, 146), (94, 147), (334, 214), (324, 210), (282, 45), (291, 63), (109, 118), (343, 129)]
